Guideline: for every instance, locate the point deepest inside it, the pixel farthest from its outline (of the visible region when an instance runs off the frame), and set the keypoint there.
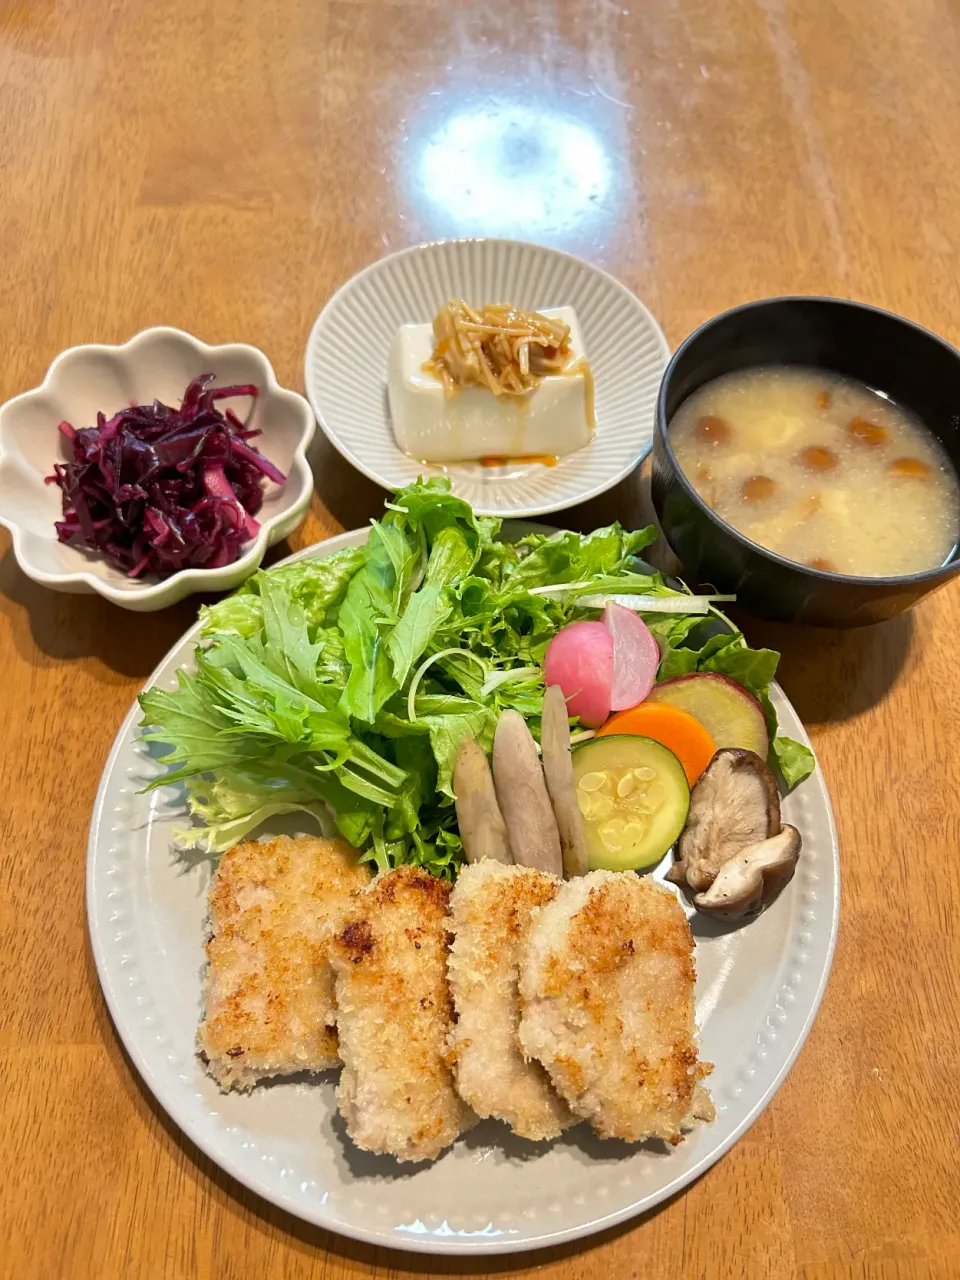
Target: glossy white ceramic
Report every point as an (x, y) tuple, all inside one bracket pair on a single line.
[(155, 364), (758, 989), (347, 355)]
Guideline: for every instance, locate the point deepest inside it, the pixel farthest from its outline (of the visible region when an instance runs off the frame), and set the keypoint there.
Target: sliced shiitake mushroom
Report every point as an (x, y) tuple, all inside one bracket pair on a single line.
[(734, 804), (759, 871), (733, 853)]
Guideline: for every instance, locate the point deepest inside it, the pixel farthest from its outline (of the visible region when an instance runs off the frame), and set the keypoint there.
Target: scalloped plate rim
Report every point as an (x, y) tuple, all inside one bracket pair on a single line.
[(151, 596)]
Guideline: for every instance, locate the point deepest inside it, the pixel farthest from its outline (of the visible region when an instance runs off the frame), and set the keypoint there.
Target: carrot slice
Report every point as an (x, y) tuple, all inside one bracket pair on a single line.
[(677, 730)]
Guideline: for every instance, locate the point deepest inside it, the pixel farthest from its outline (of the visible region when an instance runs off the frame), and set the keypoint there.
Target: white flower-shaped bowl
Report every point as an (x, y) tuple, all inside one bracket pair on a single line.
[(156, 364)]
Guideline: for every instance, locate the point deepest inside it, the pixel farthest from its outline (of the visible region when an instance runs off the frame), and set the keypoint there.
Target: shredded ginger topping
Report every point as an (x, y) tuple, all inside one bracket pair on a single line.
[(499, 347)]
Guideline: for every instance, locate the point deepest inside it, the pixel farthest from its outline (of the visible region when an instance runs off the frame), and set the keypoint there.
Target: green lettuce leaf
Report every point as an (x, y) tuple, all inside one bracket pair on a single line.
[(301, 696), (728, 654), (453, 554), (546, 559), (366, 612), (753, 668), (794, 761), (314, 584), (228, 807)]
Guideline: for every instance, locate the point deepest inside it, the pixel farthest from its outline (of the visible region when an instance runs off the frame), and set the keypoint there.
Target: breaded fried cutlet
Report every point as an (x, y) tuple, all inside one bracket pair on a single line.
[(491, 909), (607, 1006), (274, 909), (396, 1091)]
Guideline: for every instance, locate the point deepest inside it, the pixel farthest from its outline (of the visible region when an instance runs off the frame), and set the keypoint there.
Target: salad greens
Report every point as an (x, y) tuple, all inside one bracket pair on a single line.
[(346, 683)]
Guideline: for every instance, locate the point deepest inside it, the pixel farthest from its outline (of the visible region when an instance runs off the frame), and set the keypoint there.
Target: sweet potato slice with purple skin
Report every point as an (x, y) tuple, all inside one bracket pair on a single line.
[(731, 714)]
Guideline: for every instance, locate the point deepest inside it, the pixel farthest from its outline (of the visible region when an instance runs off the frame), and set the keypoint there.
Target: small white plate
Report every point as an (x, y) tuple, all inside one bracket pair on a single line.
[(155, 364), (346, 366), (758, 989)]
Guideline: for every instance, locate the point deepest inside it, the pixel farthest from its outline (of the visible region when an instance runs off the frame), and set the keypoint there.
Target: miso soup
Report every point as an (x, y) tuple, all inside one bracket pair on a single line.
[(820, 469)]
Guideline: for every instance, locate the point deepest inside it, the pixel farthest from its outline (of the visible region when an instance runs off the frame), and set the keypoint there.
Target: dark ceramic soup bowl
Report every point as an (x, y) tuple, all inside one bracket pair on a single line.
[(888, 353)]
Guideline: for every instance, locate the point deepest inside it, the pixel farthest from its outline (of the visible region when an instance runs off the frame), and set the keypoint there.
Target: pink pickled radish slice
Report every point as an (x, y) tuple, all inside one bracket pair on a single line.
[(636, 656), (579, 659)]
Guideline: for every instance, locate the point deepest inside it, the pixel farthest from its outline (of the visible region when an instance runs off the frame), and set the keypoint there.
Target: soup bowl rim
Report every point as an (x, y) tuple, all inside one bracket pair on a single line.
[(662, 432)]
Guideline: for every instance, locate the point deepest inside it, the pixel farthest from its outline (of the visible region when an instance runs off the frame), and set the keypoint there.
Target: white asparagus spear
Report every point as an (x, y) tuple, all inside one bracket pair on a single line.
[(482, 829), (522, 795), (558, 773)]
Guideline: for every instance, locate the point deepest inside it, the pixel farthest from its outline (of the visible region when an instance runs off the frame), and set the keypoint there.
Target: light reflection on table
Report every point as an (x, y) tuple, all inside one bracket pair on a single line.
[(512, 166)]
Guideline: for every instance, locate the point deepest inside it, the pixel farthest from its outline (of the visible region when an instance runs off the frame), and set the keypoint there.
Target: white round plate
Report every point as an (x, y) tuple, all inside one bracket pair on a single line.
[(758, 990), (346, 366)]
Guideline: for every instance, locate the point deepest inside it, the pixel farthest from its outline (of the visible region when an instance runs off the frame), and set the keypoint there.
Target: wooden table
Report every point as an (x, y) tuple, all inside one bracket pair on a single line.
[(223, 166)]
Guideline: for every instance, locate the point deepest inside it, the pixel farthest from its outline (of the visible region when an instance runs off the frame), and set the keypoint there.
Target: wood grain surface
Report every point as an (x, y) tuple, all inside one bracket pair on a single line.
[(223, 166)]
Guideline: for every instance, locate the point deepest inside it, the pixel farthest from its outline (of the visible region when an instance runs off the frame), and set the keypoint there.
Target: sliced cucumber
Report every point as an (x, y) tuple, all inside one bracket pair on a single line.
[(633, 796)]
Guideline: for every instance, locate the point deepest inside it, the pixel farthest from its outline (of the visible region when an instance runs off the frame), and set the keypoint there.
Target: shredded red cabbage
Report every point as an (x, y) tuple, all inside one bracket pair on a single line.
[(156, 489)]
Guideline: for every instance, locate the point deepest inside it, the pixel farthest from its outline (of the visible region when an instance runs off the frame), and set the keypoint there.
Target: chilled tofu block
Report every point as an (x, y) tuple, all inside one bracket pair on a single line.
[(431, 425)]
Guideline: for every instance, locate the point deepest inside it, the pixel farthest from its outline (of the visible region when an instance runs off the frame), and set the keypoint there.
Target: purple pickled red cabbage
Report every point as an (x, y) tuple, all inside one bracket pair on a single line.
[(155, 489)]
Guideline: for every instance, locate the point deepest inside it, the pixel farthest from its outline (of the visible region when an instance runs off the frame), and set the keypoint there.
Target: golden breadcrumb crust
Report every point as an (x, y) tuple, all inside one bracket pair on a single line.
[(492, 907), (607, 1001), (274, 908), (396, 1092)]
